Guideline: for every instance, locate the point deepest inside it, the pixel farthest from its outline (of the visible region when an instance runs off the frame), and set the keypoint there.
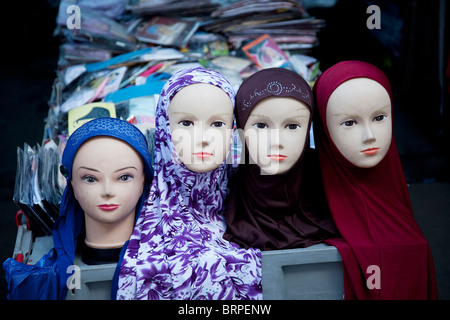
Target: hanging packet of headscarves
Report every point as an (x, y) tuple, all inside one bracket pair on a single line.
[(28, 191), (49, 177), (22, 194)]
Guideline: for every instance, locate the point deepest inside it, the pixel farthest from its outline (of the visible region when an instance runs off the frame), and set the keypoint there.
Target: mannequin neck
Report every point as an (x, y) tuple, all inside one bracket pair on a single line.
[(108, 235)]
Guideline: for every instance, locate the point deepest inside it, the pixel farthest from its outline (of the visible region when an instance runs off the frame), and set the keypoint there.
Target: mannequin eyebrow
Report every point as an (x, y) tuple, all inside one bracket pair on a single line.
[(193, 116), (268, 118), (350, 115), (302, 116), (183, 113), (385, 107), (220, 114), (125, 168), (342, 114), (259, 116), (91, 169)]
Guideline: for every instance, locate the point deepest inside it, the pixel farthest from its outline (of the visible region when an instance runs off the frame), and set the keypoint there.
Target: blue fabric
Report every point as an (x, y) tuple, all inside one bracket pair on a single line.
[(38, 281), (47, 278)]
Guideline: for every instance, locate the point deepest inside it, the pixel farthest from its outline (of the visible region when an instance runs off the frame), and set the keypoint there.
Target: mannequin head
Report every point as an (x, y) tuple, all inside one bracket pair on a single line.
[(99, 141), (201, 119), (274, 107), (275, 133), (108, 181), (358, 118)]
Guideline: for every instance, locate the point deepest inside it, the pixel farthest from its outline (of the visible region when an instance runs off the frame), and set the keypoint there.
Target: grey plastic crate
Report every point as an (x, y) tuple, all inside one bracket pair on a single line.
[(313, 273), (24, 243), (95, 281)]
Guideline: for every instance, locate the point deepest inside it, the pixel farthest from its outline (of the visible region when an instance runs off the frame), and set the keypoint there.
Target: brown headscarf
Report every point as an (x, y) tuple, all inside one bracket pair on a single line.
[(282, 211)]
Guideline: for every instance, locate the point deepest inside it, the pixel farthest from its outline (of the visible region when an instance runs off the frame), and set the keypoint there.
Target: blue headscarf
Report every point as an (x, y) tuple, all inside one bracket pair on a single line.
[(48, 277)]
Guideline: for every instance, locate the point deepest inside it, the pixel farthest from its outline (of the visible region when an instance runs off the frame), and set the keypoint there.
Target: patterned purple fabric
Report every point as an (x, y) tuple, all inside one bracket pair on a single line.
[(177, 250)]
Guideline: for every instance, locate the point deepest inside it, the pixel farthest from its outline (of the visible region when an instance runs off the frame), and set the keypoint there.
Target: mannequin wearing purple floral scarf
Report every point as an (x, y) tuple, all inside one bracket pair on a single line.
[(177, 250)]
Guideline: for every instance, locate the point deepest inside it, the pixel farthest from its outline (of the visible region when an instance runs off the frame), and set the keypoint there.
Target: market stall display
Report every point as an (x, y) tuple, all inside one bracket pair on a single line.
[(115, 57), (122, 52)]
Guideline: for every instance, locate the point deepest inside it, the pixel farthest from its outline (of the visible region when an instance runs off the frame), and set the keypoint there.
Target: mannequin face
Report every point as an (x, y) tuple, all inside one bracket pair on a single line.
[(275, 133), (201, 119), (107, 179), (359, 121)]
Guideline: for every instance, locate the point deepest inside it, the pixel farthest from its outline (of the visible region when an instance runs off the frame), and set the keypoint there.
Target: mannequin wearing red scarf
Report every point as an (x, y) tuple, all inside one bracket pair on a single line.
[(384, 253)]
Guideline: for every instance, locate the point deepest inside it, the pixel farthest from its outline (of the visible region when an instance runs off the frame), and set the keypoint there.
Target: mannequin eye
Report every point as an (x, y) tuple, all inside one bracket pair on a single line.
[(186, 123), (348, 123), (218, 124), (126, 177), (381, 117), (89, 179), (260, 125), (293, 126)]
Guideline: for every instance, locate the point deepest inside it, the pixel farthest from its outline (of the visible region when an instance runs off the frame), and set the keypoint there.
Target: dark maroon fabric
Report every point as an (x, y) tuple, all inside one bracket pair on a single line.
[(277, 211), (371, 208), (271, 82)]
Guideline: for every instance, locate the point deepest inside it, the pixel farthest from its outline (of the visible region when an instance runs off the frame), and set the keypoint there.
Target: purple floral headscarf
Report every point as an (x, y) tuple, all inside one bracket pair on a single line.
[(177, 250)]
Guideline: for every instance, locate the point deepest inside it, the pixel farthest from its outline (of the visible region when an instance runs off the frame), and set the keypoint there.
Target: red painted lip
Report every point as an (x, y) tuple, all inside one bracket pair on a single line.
[(371, 151), (203, 155), (108, 207), (277, 157)]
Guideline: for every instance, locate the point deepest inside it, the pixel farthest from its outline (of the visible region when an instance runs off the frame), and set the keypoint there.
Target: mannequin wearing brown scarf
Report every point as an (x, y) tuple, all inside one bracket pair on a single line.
[(284, 210)]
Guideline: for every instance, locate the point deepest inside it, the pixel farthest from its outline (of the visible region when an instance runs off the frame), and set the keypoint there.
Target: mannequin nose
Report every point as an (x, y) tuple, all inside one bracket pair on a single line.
[(275, 140), (202, 136), (367, 135), (107, 191)]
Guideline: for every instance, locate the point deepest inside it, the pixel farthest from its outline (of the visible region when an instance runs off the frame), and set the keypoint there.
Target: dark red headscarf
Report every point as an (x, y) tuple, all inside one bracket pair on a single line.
[(371, 208), (281, 211)]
